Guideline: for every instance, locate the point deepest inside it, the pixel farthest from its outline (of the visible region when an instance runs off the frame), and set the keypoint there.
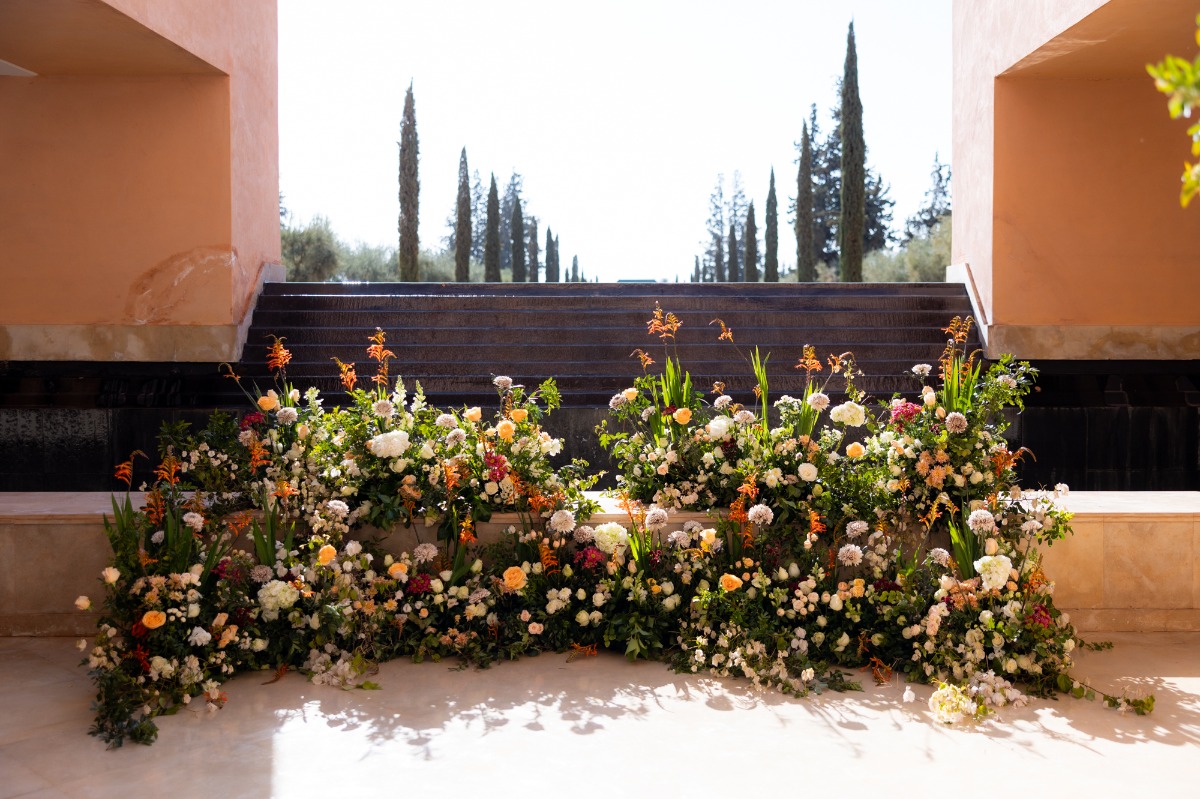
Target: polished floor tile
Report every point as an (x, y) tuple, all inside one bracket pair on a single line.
[(595, 727)]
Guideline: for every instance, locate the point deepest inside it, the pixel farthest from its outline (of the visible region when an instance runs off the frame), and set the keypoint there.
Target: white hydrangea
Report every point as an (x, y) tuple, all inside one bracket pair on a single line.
[(391, 444), (276, 596), (850, 414), (609, 537), (993, 571)]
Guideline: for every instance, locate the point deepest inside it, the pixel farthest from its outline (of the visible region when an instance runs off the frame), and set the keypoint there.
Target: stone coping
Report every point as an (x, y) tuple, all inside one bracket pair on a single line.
[(64, 507)]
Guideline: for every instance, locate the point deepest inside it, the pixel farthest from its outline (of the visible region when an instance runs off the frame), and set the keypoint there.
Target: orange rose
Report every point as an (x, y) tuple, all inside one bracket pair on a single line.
[(269, 401), (153, 619), (506, 429), (473, 414), (855, 450), (682, 416), (519, 415), (730, 583), (397, 569), (326, 554), (514, 578)]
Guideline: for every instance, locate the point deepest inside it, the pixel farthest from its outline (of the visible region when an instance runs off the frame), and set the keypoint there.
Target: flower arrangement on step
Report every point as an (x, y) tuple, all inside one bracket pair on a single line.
[(895, 541)]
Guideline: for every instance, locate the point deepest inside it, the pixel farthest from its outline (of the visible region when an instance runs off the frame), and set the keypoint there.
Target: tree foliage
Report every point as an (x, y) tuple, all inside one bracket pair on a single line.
[(734, 272), (534, 265), (462, 227), (517, 242), (806, 222), (750, 241), (409, 193), (1179, 79), (937, 202), (923, 258), (852, 224), (491, 243), (771, 257), (309, 253)]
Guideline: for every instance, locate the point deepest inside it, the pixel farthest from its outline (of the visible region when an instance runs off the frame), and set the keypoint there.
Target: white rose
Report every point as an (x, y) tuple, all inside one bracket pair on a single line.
[(807, 472), (83, 603), (110, 575)]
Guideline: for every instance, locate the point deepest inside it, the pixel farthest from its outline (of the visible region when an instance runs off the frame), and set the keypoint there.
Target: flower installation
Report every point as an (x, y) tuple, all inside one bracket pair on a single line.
[(837, 537)]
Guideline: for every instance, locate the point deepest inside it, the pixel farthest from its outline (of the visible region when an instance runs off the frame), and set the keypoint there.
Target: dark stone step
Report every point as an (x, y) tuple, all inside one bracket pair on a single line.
[(649, 290), (493, 323), (643, 306)]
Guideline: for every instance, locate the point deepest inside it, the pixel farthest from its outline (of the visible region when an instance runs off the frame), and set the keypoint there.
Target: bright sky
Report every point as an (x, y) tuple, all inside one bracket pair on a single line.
[(619, 115)]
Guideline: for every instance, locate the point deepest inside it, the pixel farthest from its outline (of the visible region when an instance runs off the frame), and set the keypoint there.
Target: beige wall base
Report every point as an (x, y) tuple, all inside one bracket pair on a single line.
[(1133, 563), (1094, 342)]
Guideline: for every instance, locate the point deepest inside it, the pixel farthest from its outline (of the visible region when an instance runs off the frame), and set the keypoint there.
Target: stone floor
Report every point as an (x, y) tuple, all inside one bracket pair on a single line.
[(598, 727)]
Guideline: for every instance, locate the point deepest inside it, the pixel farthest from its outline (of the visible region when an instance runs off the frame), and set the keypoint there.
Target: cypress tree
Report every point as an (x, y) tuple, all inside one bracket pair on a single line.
[(750, 262), (852, 226), (771, 259), (410, 188), (574, 268), (734, 271), (551, 267), (462, 226), (518, 243), (806, 256), (719, 257), (534, 266), (491, 242), (697, 276), (559, 277)]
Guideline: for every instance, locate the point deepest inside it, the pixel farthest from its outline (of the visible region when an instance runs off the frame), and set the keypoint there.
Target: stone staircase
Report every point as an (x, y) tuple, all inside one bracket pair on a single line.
[(453, 338)]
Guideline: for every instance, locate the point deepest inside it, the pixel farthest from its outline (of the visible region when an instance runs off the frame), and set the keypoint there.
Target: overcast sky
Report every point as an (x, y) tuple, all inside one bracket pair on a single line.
[(619, 115)]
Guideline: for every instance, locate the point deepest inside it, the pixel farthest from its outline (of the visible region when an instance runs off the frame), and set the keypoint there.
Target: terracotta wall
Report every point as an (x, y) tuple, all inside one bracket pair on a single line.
[(1066, 172), (140, 199)]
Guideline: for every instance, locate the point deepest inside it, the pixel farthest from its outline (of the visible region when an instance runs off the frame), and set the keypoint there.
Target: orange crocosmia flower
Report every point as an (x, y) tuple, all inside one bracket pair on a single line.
[(326, 554), (153, 619), (277, 355), (347, 374), (726, 333)]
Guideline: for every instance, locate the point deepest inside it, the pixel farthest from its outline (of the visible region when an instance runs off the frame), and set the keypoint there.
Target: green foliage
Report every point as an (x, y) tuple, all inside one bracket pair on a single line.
[(922, 258), (750, 239), (517, 233), (1179, 79), (734, 271), (462, 226), (534, 265), (309, 253), (491, 244), (409, 193), (852, 225), (806, 249), (936, 209), (771, 257)]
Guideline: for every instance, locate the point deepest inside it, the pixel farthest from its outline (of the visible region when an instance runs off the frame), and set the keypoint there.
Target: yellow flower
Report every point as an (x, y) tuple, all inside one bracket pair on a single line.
[(269, 401), (473, 414), (514, 578), (397, 569), (683, 415), (326, 554), (519, 415), (506, 429), (855, 450), (730, 583), (153, 619)]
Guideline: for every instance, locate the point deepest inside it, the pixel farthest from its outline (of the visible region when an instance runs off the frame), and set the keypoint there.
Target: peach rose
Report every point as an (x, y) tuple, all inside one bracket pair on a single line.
[(326, 554), (397, 569), (519, 415), (730, 583), (269, 401), (514, 578), (682, 416), (506, 429), (630, 394), (153, 619), (855, 450), (473, 414)]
